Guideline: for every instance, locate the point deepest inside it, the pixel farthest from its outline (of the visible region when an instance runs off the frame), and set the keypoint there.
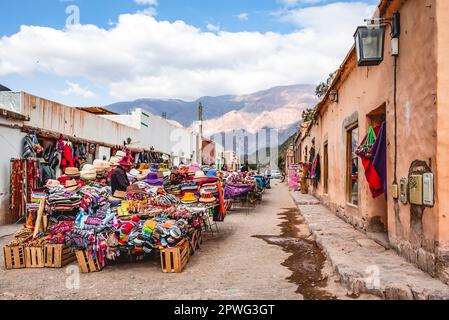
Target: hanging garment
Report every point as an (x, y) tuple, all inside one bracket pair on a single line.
[(312, 154), (67, 158), (379, 151), (316, 171), (374, 178)]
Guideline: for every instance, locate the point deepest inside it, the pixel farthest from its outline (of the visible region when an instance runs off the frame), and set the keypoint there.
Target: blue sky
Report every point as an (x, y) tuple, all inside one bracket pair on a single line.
[(259, 43)]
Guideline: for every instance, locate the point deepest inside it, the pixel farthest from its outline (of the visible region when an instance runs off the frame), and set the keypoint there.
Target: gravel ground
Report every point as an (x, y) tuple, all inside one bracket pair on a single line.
[(236, 263)]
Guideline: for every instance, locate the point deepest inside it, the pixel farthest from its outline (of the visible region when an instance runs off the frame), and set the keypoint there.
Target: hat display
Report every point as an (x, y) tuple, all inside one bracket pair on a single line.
[(72, 172), (207, 197), (189, 197), (152, 179)]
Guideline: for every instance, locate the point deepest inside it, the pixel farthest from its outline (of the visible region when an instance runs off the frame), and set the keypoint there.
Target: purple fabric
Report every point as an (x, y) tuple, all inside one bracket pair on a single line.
[(379, 150), (232, 191)]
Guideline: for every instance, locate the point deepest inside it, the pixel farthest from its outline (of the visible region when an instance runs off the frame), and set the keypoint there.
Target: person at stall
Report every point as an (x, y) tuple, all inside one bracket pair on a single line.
[(119, 179), (245, 167)]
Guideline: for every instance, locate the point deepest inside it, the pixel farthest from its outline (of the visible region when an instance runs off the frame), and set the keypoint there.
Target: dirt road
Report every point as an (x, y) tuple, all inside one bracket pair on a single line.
[(266, 254)]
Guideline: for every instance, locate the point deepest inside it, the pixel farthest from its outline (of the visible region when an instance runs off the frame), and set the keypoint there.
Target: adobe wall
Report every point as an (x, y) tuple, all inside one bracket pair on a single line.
[(412, 231)]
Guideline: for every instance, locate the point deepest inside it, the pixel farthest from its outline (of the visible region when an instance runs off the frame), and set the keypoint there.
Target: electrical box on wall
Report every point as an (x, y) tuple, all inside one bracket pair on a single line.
[(403, 190), (428, 199), (394, 191), (415, 186)]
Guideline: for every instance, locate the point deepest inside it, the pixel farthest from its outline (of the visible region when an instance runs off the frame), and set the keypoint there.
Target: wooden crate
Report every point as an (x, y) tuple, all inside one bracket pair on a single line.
[(58, 255), (195, 241), (14, 257), (34, 257), (86, 263), (174, 260)]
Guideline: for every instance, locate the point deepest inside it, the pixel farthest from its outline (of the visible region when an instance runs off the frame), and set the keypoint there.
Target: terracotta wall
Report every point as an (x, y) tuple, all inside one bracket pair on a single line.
[(365, 89)]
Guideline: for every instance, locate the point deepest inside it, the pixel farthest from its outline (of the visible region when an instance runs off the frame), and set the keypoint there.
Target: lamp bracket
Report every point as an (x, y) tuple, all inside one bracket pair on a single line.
[(394, 22)]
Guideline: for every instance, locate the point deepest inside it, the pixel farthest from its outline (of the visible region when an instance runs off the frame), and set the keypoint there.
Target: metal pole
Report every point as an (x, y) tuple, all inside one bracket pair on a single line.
[(200, 137)]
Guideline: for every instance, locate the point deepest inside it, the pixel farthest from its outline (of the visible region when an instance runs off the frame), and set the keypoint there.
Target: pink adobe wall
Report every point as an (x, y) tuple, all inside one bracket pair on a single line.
[(368, 88)]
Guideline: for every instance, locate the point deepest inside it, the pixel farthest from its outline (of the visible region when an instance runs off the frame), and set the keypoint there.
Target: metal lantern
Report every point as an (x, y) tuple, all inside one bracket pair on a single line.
[(369, 43)]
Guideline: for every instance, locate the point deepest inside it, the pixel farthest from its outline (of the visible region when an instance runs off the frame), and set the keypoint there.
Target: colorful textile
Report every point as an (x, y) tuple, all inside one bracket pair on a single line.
[(375, 174)]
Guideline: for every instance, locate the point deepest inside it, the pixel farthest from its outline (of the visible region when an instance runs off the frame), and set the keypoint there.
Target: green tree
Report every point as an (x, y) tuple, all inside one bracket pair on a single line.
[(322, 88)]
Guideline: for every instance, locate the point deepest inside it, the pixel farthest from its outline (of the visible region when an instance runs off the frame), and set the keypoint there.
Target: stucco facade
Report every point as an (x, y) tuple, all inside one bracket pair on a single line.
[(366, 97)]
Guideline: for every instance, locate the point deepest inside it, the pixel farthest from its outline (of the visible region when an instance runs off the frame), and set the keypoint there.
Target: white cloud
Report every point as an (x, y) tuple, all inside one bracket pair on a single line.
[(147, 2), (243, 16), (213, 27), (74, 89), (144, 57)]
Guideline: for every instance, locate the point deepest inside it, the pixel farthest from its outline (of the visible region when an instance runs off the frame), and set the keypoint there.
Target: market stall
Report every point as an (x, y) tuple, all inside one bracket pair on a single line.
[(78, 217)]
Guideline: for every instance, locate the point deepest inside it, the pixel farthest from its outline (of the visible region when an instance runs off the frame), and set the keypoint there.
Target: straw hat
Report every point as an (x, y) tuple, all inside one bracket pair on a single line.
[(144, 166), (72, 172), (189, 197), (88, 172), (143, 175), (207, 197), (101, 165), (199, 175), (71, 186), (120, 154), (114, 160), (134, 173), (51, 183)]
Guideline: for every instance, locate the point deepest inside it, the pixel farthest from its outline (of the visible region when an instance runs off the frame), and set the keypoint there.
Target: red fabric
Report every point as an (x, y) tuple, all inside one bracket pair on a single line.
[(372, 177), (67, 158)]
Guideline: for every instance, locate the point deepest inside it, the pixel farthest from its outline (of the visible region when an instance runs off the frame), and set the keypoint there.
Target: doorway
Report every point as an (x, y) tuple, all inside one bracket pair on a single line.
[(377, 207)]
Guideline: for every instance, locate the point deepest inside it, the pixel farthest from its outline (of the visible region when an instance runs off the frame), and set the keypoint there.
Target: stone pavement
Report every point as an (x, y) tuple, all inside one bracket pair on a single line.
[(363, 265)]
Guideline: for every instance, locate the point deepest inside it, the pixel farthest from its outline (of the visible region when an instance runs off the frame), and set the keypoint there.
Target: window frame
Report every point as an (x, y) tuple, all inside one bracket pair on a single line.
[(349, 158)]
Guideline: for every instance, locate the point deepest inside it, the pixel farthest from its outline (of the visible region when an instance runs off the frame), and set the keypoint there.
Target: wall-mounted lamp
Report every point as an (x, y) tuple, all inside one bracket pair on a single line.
[(370, 40), (333, 96)]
